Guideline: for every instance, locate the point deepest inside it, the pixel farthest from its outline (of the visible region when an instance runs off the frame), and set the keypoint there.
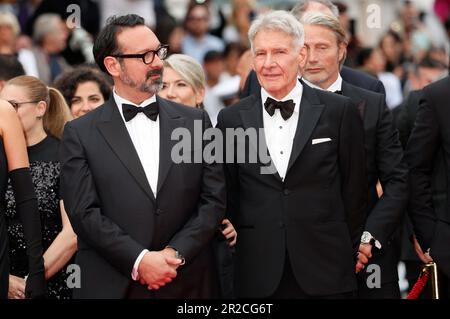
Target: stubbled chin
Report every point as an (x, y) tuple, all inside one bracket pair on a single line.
[(312, 77)]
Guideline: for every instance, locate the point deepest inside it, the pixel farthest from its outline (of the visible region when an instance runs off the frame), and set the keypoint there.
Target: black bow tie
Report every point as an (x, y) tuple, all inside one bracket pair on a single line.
[(338, 92), (286, 107), (130, 111)]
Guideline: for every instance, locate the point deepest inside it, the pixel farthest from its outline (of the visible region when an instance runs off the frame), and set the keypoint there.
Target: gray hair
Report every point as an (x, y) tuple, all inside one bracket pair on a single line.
[(329, 22), (45, 24), (277, 21), (301, 8), (189, 69), (10, 20)]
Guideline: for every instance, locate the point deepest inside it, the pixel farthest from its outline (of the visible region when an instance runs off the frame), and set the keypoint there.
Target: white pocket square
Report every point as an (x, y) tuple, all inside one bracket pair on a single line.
[(321, 140)]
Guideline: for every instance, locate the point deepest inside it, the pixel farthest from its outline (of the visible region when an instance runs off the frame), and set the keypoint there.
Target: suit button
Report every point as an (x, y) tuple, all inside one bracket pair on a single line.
[(281, 224), (159, 211), (286, 191)]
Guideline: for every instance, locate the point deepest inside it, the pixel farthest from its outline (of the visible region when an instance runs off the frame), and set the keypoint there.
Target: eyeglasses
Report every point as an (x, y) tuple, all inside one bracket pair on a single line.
[(16, 105), (148, 56)]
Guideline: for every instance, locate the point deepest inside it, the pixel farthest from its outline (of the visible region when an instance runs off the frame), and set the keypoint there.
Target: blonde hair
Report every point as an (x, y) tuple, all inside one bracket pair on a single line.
[(10, 20), (57, 113), (190, 70)]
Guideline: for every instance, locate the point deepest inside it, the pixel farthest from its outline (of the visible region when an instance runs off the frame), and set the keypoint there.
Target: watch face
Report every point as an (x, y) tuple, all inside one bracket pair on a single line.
[(365, 238)]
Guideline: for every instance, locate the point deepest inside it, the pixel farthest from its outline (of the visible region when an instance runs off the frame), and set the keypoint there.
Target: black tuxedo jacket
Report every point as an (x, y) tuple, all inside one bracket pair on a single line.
[(352, 76), (315, 215), (384, 155), (362, 79), (115, 214), (406, 116), (430, 133)]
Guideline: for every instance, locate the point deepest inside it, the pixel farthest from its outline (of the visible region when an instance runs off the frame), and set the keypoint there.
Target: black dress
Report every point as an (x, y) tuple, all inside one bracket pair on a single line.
[(4, 260), (45, 170)]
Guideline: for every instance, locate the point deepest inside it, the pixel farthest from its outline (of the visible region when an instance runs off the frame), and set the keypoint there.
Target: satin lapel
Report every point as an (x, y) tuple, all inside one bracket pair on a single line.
[(169, 120), (252, 117), (310, 111), (115, 133), (357, 100)]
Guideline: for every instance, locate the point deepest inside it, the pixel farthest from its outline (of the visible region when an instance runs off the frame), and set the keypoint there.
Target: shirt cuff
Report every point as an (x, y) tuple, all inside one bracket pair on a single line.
[(135, 273), (377, 244)]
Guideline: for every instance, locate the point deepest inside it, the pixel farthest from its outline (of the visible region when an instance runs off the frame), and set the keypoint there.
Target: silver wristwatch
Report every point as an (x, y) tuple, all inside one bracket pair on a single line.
[(367, 238), (178, 255)]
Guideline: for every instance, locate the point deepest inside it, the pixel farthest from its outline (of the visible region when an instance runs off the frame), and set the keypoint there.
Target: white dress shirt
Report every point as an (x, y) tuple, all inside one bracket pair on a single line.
[(336, 86), (144, 134), (280, 133)]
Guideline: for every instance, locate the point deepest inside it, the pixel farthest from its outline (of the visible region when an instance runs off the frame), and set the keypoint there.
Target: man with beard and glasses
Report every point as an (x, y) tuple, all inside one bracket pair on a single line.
[(144, 223)]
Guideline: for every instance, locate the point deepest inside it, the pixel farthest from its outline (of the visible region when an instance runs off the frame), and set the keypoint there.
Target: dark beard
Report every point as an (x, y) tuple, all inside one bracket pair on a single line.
[(156, 85), (153, 87)]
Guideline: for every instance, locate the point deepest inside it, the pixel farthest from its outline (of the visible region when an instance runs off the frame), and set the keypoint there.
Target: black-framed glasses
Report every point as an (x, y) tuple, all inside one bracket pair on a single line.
[(148, 56), (16, 105)]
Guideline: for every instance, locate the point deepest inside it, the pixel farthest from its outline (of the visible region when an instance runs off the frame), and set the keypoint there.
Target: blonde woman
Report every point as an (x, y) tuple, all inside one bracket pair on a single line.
[(184, 82), (42, 112)]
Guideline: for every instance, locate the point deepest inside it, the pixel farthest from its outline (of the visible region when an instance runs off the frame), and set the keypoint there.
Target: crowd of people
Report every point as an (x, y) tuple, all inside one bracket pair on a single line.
[(356, 138)]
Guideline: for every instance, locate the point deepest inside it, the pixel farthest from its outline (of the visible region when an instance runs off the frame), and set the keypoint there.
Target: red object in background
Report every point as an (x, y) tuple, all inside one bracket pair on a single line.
[(418, 287), (442, 9)]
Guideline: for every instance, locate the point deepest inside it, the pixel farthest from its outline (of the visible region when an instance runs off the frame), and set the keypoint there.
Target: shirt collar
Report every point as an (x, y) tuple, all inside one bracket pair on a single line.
[(120, 100), (336, 86), (295, 94)]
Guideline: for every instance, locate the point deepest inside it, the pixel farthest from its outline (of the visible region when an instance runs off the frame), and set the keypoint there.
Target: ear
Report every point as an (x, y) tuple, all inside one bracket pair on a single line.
[(302, 57), (41, 107), (342, 51), (252, 59), (112, 65), (199, 96)]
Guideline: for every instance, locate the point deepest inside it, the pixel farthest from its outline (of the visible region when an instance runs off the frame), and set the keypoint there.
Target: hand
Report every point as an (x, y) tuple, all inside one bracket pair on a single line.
[(363, 256), (16, 287), (424, 257), (172, 253), (229, 232), (157, 268)]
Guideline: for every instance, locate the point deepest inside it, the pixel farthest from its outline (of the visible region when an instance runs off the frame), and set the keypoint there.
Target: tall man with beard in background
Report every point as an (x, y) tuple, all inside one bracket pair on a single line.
[(326, 45)]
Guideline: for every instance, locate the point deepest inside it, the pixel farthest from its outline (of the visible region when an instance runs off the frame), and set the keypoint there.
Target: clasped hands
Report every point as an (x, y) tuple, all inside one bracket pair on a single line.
[(158, 268), (363, 256)]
